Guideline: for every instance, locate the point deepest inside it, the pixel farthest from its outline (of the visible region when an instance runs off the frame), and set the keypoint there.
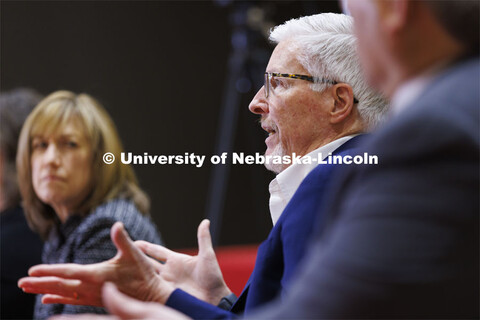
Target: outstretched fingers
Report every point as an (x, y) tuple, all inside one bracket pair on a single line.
[(204, 239), (65, 270), (53, 298), (66, 291), (122, 241), (155, 251), (127, 250), (54, 285), (157, 265)]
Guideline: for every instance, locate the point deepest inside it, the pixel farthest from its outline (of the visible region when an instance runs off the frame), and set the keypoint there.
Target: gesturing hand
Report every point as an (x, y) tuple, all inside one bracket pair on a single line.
[(132, 272), (198, 275), (122, 307)]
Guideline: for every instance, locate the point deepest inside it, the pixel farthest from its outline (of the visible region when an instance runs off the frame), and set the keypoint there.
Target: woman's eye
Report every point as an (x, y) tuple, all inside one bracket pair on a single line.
[(39, 145), (72, 144)]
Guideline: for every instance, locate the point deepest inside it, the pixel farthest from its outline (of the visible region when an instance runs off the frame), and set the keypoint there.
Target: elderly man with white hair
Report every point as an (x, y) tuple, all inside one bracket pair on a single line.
[(314, 103)]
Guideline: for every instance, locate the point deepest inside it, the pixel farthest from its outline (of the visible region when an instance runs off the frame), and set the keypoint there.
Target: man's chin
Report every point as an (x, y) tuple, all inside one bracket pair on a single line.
[(275, 167)]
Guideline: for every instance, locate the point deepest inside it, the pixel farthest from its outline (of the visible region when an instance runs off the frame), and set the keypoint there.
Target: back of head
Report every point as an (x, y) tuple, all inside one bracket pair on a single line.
[(326, 47), (109, 181), (461, 18), (15, 106)]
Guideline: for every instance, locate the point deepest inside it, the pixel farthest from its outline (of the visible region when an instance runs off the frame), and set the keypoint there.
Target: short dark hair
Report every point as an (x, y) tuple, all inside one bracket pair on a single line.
[(15, 106), (461, 19)]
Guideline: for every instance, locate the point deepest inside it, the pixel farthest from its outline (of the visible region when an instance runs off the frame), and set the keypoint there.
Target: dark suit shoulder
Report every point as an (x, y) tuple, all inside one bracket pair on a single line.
[(449, 107)]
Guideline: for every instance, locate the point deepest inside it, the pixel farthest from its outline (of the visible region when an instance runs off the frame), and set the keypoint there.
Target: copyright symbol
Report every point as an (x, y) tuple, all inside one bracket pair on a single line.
[(108, 158)]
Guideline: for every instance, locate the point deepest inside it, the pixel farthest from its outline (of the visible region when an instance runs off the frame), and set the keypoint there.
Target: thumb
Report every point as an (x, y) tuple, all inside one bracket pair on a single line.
[(119, 304), (122, 241), (125, 307), (204, 238)]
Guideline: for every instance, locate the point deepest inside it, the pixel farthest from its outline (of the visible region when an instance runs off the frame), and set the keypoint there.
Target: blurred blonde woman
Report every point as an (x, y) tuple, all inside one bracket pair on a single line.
[(71, 197)]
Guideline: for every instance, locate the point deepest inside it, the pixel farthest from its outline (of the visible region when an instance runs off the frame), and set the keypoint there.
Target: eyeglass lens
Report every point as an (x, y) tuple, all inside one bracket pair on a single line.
[(266, 84)]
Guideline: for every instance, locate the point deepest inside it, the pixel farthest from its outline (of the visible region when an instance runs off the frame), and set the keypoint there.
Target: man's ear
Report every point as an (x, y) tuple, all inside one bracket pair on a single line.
[(394, 14), (343, 102)]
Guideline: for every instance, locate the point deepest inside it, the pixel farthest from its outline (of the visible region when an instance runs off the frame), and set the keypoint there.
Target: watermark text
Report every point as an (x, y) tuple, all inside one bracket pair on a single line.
[(239, 158)]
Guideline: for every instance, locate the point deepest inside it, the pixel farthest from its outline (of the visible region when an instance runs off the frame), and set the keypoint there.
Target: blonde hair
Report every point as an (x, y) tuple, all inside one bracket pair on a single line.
[(109, 181)]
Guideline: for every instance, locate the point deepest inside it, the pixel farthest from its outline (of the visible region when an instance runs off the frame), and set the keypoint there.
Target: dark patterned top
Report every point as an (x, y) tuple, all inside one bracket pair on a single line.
[(86, 240)]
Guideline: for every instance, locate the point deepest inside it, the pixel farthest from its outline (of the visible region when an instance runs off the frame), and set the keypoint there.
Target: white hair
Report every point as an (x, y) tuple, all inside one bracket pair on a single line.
[(326, 48)]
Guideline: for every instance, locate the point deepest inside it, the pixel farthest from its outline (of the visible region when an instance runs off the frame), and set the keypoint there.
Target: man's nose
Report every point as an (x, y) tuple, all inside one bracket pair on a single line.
[(259, 104)]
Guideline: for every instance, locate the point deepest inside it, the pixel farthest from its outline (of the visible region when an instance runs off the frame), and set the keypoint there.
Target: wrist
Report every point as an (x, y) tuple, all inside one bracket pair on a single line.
[(227, 302), (226, 292), (220, 294), (161, 293)]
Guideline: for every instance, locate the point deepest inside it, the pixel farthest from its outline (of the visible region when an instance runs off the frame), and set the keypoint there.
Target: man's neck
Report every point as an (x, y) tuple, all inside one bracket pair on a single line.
[(411, 89), (420, 48)]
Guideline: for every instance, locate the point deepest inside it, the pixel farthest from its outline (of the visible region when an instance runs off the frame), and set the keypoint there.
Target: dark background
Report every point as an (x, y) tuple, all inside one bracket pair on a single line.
[(160, 68)]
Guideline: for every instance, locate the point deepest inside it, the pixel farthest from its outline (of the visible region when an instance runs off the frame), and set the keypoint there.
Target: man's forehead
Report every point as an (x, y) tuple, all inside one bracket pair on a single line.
[(284, 58)]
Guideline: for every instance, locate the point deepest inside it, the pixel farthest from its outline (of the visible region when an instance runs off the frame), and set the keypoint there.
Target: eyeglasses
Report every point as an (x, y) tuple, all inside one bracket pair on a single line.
[(270, 75)]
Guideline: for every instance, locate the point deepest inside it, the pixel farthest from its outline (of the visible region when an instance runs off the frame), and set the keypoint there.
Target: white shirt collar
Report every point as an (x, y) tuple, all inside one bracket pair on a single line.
[(286, 183), (411, 89)]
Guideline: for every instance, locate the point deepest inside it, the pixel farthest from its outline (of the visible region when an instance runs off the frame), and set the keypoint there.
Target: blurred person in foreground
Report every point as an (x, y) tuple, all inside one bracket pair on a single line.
[(71, 197), (402, 238), (21, 248), (314, 102)]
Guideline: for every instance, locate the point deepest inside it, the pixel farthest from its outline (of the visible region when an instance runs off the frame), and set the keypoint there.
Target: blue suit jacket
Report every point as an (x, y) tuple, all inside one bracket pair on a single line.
[(402, 238), (278, 256)]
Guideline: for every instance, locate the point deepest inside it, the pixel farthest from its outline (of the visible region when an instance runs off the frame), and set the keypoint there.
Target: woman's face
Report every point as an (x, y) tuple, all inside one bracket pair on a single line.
[(62, 167)]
